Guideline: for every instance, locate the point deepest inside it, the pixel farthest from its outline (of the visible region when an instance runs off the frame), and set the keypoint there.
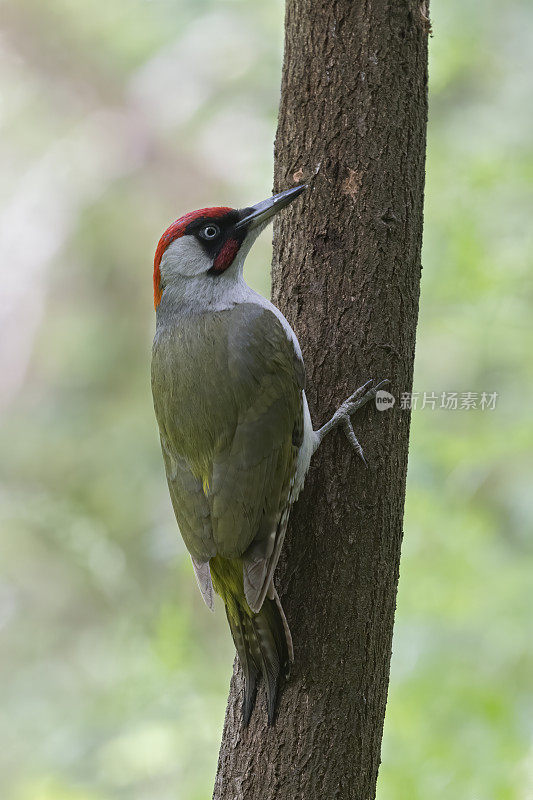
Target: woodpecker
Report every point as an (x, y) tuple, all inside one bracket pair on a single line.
[(228, 384)]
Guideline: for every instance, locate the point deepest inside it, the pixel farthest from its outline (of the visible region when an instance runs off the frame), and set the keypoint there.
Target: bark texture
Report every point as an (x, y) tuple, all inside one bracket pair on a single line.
[(346, 273)]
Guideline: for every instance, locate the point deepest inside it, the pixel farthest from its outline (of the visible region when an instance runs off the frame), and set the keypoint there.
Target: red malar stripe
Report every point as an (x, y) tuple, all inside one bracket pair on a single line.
[(227, 253)]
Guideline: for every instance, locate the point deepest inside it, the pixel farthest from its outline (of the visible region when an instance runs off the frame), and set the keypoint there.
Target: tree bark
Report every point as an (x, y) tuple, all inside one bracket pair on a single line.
[(346, 273)]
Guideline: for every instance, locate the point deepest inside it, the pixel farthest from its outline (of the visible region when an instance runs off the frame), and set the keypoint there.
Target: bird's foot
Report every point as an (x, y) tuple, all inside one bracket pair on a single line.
[(343, 415)]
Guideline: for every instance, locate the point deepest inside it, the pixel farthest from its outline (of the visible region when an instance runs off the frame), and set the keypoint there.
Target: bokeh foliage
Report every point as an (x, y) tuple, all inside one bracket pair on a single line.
[(117, 117)]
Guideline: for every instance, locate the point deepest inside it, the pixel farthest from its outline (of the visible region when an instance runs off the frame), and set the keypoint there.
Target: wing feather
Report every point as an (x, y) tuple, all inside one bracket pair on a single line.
[(231, 488), (252, 477)]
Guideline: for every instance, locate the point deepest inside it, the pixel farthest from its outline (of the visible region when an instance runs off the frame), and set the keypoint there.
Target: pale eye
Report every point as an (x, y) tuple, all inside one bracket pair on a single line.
[(210, 232)]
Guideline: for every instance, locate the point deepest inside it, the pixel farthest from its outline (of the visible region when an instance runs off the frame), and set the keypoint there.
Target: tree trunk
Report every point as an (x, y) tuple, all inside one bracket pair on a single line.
[(346, 273)]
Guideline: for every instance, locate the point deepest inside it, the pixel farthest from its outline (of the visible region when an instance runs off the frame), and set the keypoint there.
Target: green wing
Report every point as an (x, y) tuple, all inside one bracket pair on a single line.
[(251, 478), (190, 505), (231, 489)]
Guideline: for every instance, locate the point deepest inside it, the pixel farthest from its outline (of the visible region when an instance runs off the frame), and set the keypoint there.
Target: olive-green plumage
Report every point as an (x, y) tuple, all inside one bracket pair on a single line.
[(227, 389)]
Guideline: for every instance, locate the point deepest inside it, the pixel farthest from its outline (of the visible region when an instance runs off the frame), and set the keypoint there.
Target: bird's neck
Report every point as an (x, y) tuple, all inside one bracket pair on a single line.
[(206, 294)]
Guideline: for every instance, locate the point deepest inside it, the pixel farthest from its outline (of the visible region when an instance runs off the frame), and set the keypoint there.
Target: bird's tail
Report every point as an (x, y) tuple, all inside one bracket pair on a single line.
[(262, 639)]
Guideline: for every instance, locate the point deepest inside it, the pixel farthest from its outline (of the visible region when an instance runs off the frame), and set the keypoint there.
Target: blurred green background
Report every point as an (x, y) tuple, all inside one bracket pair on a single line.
[(117, 116)]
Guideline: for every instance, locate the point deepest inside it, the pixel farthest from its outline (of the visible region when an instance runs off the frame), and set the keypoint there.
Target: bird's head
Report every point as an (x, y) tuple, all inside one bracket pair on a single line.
[(211, 244)]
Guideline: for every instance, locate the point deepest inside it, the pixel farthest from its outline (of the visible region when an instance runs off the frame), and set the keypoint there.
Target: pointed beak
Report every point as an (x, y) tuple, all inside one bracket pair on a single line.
[(262, 212)]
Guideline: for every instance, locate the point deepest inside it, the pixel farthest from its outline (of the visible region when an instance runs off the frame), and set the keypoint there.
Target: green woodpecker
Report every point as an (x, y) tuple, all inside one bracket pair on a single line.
[(228, 386)]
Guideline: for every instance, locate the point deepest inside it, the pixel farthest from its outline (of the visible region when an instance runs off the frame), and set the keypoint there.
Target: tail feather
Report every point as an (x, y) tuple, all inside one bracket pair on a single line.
[(238, 631), (269, 658), (262, 639), (273, 595), (262, 649)]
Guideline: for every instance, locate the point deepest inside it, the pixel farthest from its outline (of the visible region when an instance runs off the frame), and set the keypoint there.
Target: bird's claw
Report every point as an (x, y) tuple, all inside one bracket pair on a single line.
[(358, 392), (352, 438), (343, 415), (358, 399)]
